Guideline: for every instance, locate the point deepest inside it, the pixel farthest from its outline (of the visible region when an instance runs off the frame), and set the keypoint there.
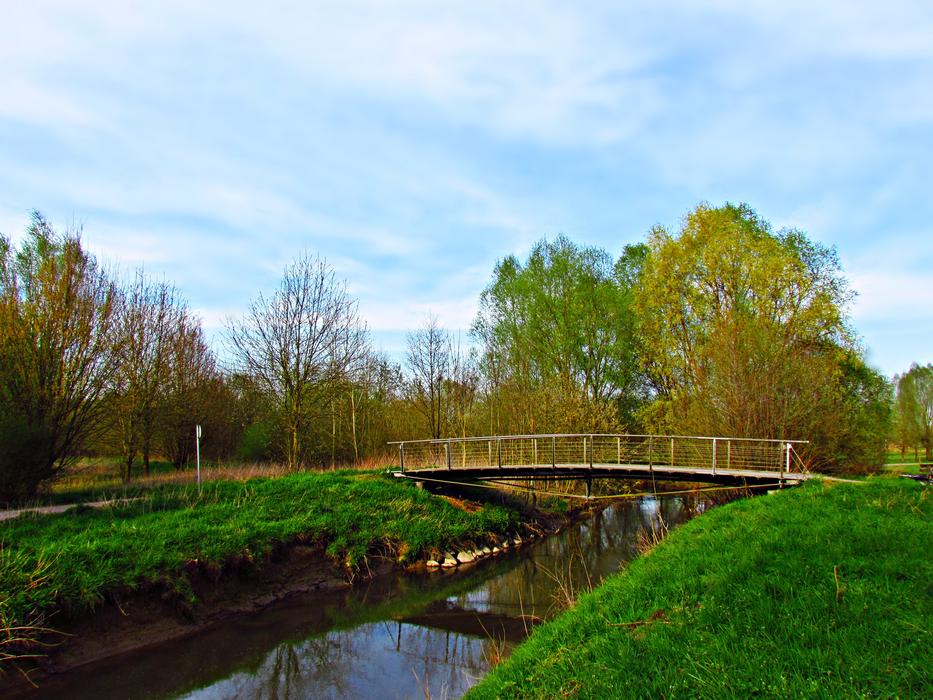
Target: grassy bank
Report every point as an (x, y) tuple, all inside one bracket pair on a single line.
[(821, 591), (70, 563), (100, 478)]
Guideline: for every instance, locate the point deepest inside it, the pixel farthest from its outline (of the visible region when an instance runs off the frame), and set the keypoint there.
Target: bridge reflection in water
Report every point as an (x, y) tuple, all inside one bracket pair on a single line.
[(399, 636), (720, 460)]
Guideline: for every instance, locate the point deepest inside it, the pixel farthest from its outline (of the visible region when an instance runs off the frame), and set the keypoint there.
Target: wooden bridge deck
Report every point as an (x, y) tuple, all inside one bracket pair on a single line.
[(719, 460)]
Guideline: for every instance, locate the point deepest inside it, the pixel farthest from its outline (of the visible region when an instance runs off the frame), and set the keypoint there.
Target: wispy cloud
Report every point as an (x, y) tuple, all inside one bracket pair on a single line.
[(414, 143)]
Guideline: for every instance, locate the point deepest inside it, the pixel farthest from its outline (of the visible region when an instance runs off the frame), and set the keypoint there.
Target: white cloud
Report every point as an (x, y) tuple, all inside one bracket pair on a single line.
[(413, 143), (893, 296), (451, 313), (13, 223)]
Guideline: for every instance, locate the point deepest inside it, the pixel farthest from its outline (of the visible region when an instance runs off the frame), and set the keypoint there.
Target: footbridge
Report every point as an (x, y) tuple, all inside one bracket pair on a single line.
[(730, 461)]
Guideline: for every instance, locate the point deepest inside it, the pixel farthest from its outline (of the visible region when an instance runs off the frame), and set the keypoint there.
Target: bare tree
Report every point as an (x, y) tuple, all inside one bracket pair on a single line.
[(299, 344), (429, 364), (193, 392), (150, 319), (462, 386)]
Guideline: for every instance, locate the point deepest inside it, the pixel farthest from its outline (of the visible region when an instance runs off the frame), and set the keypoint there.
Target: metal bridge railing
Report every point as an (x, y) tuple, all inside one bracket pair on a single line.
[(723, 454)]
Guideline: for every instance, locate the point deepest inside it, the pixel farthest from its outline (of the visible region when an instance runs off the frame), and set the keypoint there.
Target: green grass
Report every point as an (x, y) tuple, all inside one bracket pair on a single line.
[(820, 591), (72, 562)]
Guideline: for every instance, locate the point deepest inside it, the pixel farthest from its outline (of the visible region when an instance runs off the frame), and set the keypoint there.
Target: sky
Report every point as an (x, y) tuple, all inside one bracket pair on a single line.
[(414, 144)]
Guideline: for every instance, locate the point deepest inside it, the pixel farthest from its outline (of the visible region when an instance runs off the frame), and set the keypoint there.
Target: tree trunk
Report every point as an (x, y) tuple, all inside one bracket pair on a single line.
[(292, 457), (146, 458)]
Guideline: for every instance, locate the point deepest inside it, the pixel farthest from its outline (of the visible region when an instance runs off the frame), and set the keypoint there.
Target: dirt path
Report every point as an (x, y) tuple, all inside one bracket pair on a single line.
[(46, 510)]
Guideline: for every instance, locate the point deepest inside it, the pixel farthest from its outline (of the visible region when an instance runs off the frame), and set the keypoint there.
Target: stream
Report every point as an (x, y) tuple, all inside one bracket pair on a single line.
[(399, 636)]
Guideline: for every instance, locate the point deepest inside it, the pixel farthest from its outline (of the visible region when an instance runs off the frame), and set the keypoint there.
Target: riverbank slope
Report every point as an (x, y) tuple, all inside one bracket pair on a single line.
[(178, 543), (819, 591)]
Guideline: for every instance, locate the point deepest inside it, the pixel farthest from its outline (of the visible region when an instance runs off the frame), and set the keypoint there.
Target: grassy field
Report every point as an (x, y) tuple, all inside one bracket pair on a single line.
[(70, 563), (98, 478), (908, 463), (819, 591)]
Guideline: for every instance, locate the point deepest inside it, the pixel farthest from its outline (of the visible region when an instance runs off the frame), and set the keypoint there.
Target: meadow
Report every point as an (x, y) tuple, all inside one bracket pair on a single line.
[(819, 591)]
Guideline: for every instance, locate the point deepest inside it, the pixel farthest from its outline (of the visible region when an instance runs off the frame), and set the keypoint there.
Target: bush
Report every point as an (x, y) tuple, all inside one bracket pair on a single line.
[(25, 461), (256, 443)]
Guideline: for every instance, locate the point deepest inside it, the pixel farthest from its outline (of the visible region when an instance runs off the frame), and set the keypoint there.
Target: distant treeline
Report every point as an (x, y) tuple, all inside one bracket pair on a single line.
[(724, 327)]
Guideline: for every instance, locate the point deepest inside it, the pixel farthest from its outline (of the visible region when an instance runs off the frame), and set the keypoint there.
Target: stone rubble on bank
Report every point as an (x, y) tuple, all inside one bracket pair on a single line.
[(449, 560)]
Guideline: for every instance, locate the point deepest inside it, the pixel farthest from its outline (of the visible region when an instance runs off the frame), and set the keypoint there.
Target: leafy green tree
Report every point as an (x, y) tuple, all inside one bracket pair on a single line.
[(558, 336), (58, 354), (914, 408), (866, 402), (744, 332)]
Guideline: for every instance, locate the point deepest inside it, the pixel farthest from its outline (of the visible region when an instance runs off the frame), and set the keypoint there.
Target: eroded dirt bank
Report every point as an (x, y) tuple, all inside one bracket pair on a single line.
[(158, 613)]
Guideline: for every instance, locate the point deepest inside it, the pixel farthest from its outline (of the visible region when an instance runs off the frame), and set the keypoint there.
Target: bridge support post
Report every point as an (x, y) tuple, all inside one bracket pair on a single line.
[(591, 451), (447, 450), (785, 463), (618, 450), (714, 456), (589, 488), (499, 453), (553, 452), (401, 456)]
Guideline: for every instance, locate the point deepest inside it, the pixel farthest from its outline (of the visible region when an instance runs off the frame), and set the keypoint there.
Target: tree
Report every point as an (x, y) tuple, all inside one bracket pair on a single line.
[(429, 363), (744, 332), (558, 328), (298, 345), (914, 408), (58, 353), (150, 322), (194, 393), (376, 405), (461, 387)]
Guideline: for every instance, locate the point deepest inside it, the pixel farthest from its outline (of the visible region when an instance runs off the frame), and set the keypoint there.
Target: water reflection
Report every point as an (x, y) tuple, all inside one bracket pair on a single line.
[(382, 659), (401, 637)]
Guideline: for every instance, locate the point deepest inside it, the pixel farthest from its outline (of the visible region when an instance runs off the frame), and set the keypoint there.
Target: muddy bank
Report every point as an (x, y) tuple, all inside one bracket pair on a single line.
[(155, 614), (404, 634), (158, 613)]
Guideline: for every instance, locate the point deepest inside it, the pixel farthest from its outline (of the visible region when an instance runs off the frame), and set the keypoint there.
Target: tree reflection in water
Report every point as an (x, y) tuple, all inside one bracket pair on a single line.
[(401, 637), (437, 657), (384, 659)]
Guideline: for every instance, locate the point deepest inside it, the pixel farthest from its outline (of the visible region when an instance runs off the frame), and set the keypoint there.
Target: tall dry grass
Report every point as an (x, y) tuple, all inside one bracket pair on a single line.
[(102, 473)]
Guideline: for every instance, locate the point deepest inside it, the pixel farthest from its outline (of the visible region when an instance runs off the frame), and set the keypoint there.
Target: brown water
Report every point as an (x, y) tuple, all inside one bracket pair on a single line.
[(407, 636)]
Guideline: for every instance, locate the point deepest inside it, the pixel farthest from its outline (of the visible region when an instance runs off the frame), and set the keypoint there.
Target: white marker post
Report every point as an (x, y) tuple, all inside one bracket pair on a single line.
[(197, 450)]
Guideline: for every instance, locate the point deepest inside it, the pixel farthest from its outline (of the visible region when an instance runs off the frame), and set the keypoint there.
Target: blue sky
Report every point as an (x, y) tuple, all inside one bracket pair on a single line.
[(414, 144)]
